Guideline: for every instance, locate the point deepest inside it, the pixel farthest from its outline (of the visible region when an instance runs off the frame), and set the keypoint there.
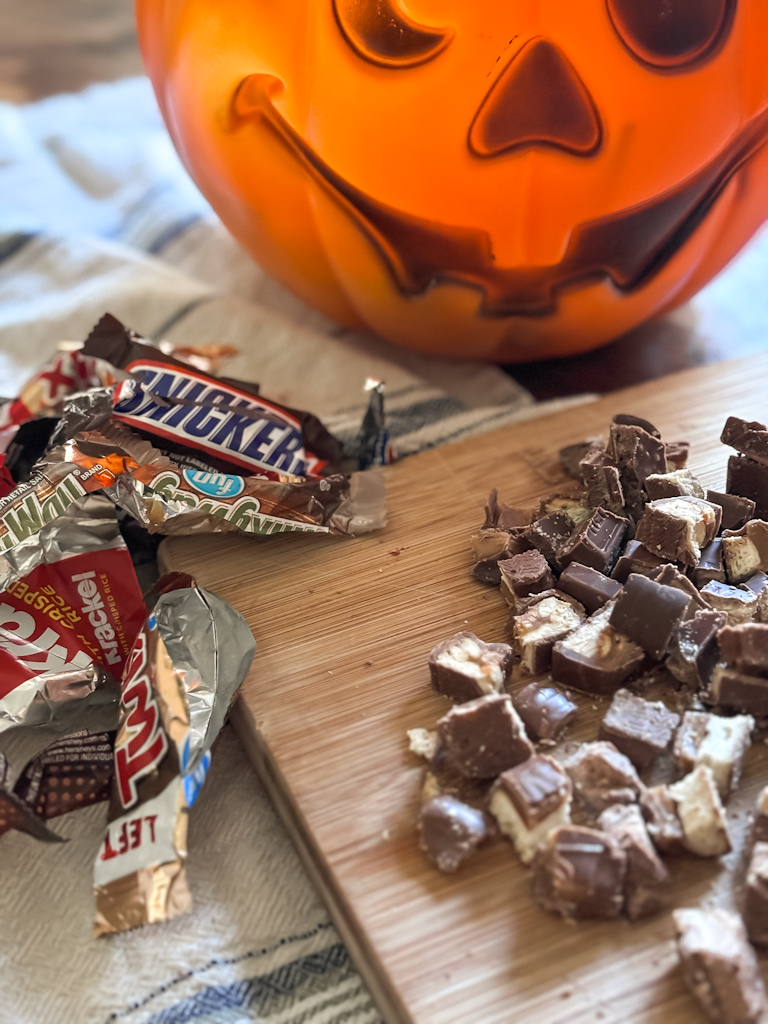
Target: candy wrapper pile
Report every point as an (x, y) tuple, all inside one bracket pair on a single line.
[(107, 694)]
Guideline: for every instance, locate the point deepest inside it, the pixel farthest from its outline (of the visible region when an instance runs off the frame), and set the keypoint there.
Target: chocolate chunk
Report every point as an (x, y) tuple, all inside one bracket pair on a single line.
[(717, 742), (662, 821), (756, 583), (487, 571), (739, 691), (550, 534), (598, 541), (602, 480), (746, 550), (636, 558), (588, 586), (639, 728), (673, 485), (710, 566), (450, 831), (739, 605), (524, 574), (529, 801), (464, 668), (747, 437), (755, 912), (676, 453), (579, 873), (639, 454), (669, 576), (736, 510), (746, 647), (595, 657), (701, 813), (545, 710), (572, 454), (603, 776), (646, 874), (719, 965), (696, 648), (678, 528), (484, 737), (536, 631), (749, 479), (648, 613), (627, 419)]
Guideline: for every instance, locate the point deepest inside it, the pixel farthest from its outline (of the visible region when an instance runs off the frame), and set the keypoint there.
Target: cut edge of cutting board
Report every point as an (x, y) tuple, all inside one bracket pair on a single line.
[(387, 1001)]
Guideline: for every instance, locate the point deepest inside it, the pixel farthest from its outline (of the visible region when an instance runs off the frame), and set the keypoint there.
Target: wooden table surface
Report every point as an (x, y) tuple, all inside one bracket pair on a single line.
[(49, 46)]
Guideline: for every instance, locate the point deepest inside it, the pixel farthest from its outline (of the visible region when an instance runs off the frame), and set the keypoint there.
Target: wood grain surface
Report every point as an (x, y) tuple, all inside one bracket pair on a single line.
[(344, 628)]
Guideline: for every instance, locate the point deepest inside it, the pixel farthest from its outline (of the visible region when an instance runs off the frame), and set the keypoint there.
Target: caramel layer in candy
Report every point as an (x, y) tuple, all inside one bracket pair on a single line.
[(537, 630), (648, 613), (464, 667), (588, 586), (696, 649), (636, 558), (450, 831), (602, 480), (719, 965), (646, 874), (748, 437), (524, 574), (745, 551), (720, 743), (741, 691), (673, 485), (595, 657), (678, 528), (755, 912), (484, 737), (530, 800), (598, 541), (545, 710), (746, 647), (736, 510), (639, 728), (579, 873), (739, 605), (603, 776), (749, 479), (701, 813), (710, 566)]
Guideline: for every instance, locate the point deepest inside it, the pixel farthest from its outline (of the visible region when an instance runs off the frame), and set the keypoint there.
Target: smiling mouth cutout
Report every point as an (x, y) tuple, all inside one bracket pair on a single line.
[(628, 248)]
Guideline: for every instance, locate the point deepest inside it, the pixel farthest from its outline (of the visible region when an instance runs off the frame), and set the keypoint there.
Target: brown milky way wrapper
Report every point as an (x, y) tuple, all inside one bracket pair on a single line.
[(184, 669)]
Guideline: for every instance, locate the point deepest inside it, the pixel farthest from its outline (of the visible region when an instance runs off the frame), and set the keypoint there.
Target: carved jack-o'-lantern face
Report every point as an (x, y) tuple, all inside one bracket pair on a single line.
[(505, 179)]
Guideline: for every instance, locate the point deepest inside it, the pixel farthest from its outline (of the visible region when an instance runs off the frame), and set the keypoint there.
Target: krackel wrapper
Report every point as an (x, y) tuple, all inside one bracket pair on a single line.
[(206, 422), (187, 662), (70, 609), (92, 451)]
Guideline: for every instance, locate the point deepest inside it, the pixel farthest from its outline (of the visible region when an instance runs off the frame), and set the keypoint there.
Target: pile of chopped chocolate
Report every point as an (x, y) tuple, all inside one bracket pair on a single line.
[(630, 579)]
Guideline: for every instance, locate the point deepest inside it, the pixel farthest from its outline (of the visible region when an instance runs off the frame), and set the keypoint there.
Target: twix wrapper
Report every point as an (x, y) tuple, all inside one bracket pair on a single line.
[(188, 660)]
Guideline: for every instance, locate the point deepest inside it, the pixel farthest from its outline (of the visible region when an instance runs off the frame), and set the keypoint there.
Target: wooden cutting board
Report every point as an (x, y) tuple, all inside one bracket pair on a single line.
[(344, 629)]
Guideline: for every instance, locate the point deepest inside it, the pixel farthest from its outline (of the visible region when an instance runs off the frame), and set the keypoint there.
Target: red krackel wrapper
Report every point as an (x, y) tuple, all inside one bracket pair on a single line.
[(188, 660)]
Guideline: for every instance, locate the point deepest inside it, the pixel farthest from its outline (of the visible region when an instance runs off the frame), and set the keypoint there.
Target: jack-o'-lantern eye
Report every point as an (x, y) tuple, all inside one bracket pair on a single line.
[(379, 31), (671, 34)]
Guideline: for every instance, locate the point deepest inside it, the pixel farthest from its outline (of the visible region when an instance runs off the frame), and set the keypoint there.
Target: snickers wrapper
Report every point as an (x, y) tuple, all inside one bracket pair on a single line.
[(188, 660)]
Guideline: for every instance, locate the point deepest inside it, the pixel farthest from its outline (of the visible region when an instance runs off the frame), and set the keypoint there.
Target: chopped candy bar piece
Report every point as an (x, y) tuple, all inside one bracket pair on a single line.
[(740, 691), (538, 629), (746, 647), (529, 801), (637, 559), (747, 437), (545, 710), (756, 583), (755, 911), (720, 743), (463, 667), (696, 649), (579, 873), (676, 454), (550, 535), (572, 501), (648, 613), (673, 485), (710, 566), (639, 728), (719, 965), (600, 474), (760, 823), (745, 551), (595, 657), (603, 776), (736, 510), (450, 831), (588, 586), (484, 737), (597, 542), (739, 605), (749, 479), (678, 528), (662, 820), (524, 574), (701, 813), (646, 874)]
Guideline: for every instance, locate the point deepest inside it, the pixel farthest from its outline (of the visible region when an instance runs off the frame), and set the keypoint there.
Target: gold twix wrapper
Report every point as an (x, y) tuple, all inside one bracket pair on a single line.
[(176, 689)]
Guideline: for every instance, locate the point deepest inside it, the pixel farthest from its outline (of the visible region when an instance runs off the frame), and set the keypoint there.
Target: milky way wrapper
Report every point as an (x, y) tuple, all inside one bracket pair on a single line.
[(184, 669)]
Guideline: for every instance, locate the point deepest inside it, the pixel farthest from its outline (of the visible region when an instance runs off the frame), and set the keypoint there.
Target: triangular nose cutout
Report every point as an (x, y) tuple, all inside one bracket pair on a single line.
[(538, 100)]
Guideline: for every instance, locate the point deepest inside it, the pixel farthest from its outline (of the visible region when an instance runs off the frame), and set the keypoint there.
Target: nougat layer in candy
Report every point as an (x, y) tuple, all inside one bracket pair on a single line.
[(715, 741), (538, 629), (701, 813), (745, 551)]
